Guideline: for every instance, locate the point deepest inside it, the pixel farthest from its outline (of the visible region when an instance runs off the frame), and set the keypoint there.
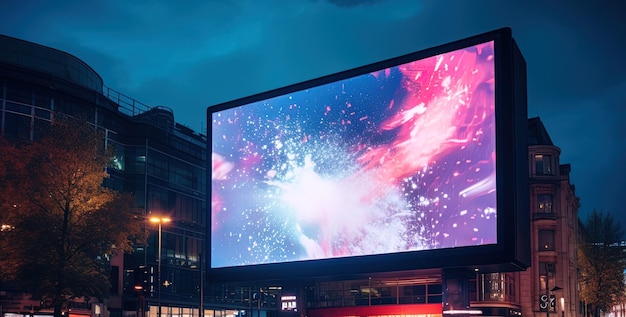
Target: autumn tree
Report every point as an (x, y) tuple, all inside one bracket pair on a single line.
[(601, 262), (61, 225)]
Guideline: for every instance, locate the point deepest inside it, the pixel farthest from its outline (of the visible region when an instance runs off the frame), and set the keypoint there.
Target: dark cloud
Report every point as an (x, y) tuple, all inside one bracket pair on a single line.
[(352, 3), (194, 54)]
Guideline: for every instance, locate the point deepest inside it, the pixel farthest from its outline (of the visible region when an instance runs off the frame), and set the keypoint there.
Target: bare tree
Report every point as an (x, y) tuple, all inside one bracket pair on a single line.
[(601, 262)]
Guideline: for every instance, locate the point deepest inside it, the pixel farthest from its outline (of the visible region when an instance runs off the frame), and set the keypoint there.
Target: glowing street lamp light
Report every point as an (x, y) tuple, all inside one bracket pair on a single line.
[(160, 221), (5, 227)]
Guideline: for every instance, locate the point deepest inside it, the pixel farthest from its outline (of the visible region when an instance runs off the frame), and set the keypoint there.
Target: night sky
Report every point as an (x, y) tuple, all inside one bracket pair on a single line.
[(194, 54)]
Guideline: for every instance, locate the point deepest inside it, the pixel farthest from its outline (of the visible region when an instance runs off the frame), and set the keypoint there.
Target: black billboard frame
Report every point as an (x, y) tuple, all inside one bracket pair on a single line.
[(510, 253)]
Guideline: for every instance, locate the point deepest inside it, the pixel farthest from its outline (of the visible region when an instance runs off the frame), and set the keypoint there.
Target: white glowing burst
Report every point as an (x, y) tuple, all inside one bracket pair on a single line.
[(336, 217)]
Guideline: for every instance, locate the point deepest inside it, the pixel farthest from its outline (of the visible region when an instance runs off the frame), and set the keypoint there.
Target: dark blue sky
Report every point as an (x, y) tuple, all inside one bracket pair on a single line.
[(193, 54)]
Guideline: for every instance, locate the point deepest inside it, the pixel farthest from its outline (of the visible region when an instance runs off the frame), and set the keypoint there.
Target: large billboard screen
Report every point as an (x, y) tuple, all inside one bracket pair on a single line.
[(392, 159)]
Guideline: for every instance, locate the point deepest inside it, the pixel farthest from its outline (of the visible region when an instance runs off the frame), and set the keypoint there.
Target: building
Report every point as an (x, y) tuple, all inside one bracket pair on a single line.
[(158, 160), (554, 231)]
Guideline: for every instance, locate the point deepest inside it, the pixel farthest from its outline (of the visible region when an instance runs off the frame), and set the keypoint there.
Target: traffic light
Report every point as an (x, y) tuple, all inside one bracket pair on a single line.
[(144, 280)]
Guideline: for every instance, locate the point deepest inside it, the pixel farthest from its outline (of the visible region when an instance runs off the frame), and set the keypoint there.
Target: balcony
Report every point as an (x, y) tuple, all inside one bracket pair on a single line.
[(544, 215)]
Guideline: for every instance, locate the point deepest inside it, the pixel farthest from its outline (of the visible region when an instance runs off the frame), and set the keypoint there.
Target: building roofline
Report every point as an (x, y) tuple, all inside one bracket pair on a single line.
[(537, 133), (7, 42)]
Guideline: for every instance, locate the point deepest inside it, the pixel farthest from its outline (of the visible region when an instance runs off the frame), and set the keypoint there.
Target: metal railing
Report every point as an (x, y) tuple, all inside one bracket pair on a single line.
[(128, 105)]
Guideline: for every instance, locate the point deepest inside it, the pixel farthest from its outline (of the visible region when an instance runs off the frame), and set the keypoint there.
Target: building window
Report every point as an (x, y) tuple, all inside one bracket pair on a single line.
[(547, 281), (473, 289), (493, 287), (543, 164), (544, 203), (435, 293), (510, 284), (413, 294), (546, 240)]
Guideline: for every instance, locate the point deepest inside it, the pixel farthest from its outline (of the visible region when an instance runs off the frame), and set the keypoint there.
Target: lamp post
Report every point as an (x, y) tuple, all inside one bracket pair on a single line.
[(548, 291), (160, 221), (549, 305)]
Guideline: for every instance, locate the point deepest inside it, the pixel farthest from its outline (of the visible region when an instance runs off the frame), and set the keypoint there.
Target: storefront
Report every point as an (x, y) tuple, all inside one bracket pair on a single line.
[(410, 310)]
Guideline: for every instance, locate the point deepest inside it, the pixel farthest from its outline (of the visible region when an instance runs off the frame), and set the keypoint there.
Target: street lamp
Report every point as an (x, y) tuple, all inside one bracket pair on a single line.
[(549, 305), (160, 221), (548, 290)]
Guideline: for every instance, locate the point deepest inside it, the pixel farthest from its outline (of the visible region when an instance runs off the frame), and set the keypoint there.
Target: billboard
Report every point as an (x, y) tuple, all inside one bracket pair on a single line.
[(416, 162)]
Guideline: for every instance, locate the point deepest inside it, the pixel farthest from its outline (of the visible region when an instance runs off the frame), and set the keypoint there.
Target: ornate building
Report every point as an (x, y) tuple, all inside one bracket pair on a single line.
[(550, 286)]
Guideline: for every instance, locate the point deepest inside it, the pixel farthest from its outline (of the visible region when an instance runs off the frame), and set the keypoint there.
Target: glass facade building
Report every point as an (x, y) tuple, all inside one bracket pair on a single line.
[(161, 162)]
